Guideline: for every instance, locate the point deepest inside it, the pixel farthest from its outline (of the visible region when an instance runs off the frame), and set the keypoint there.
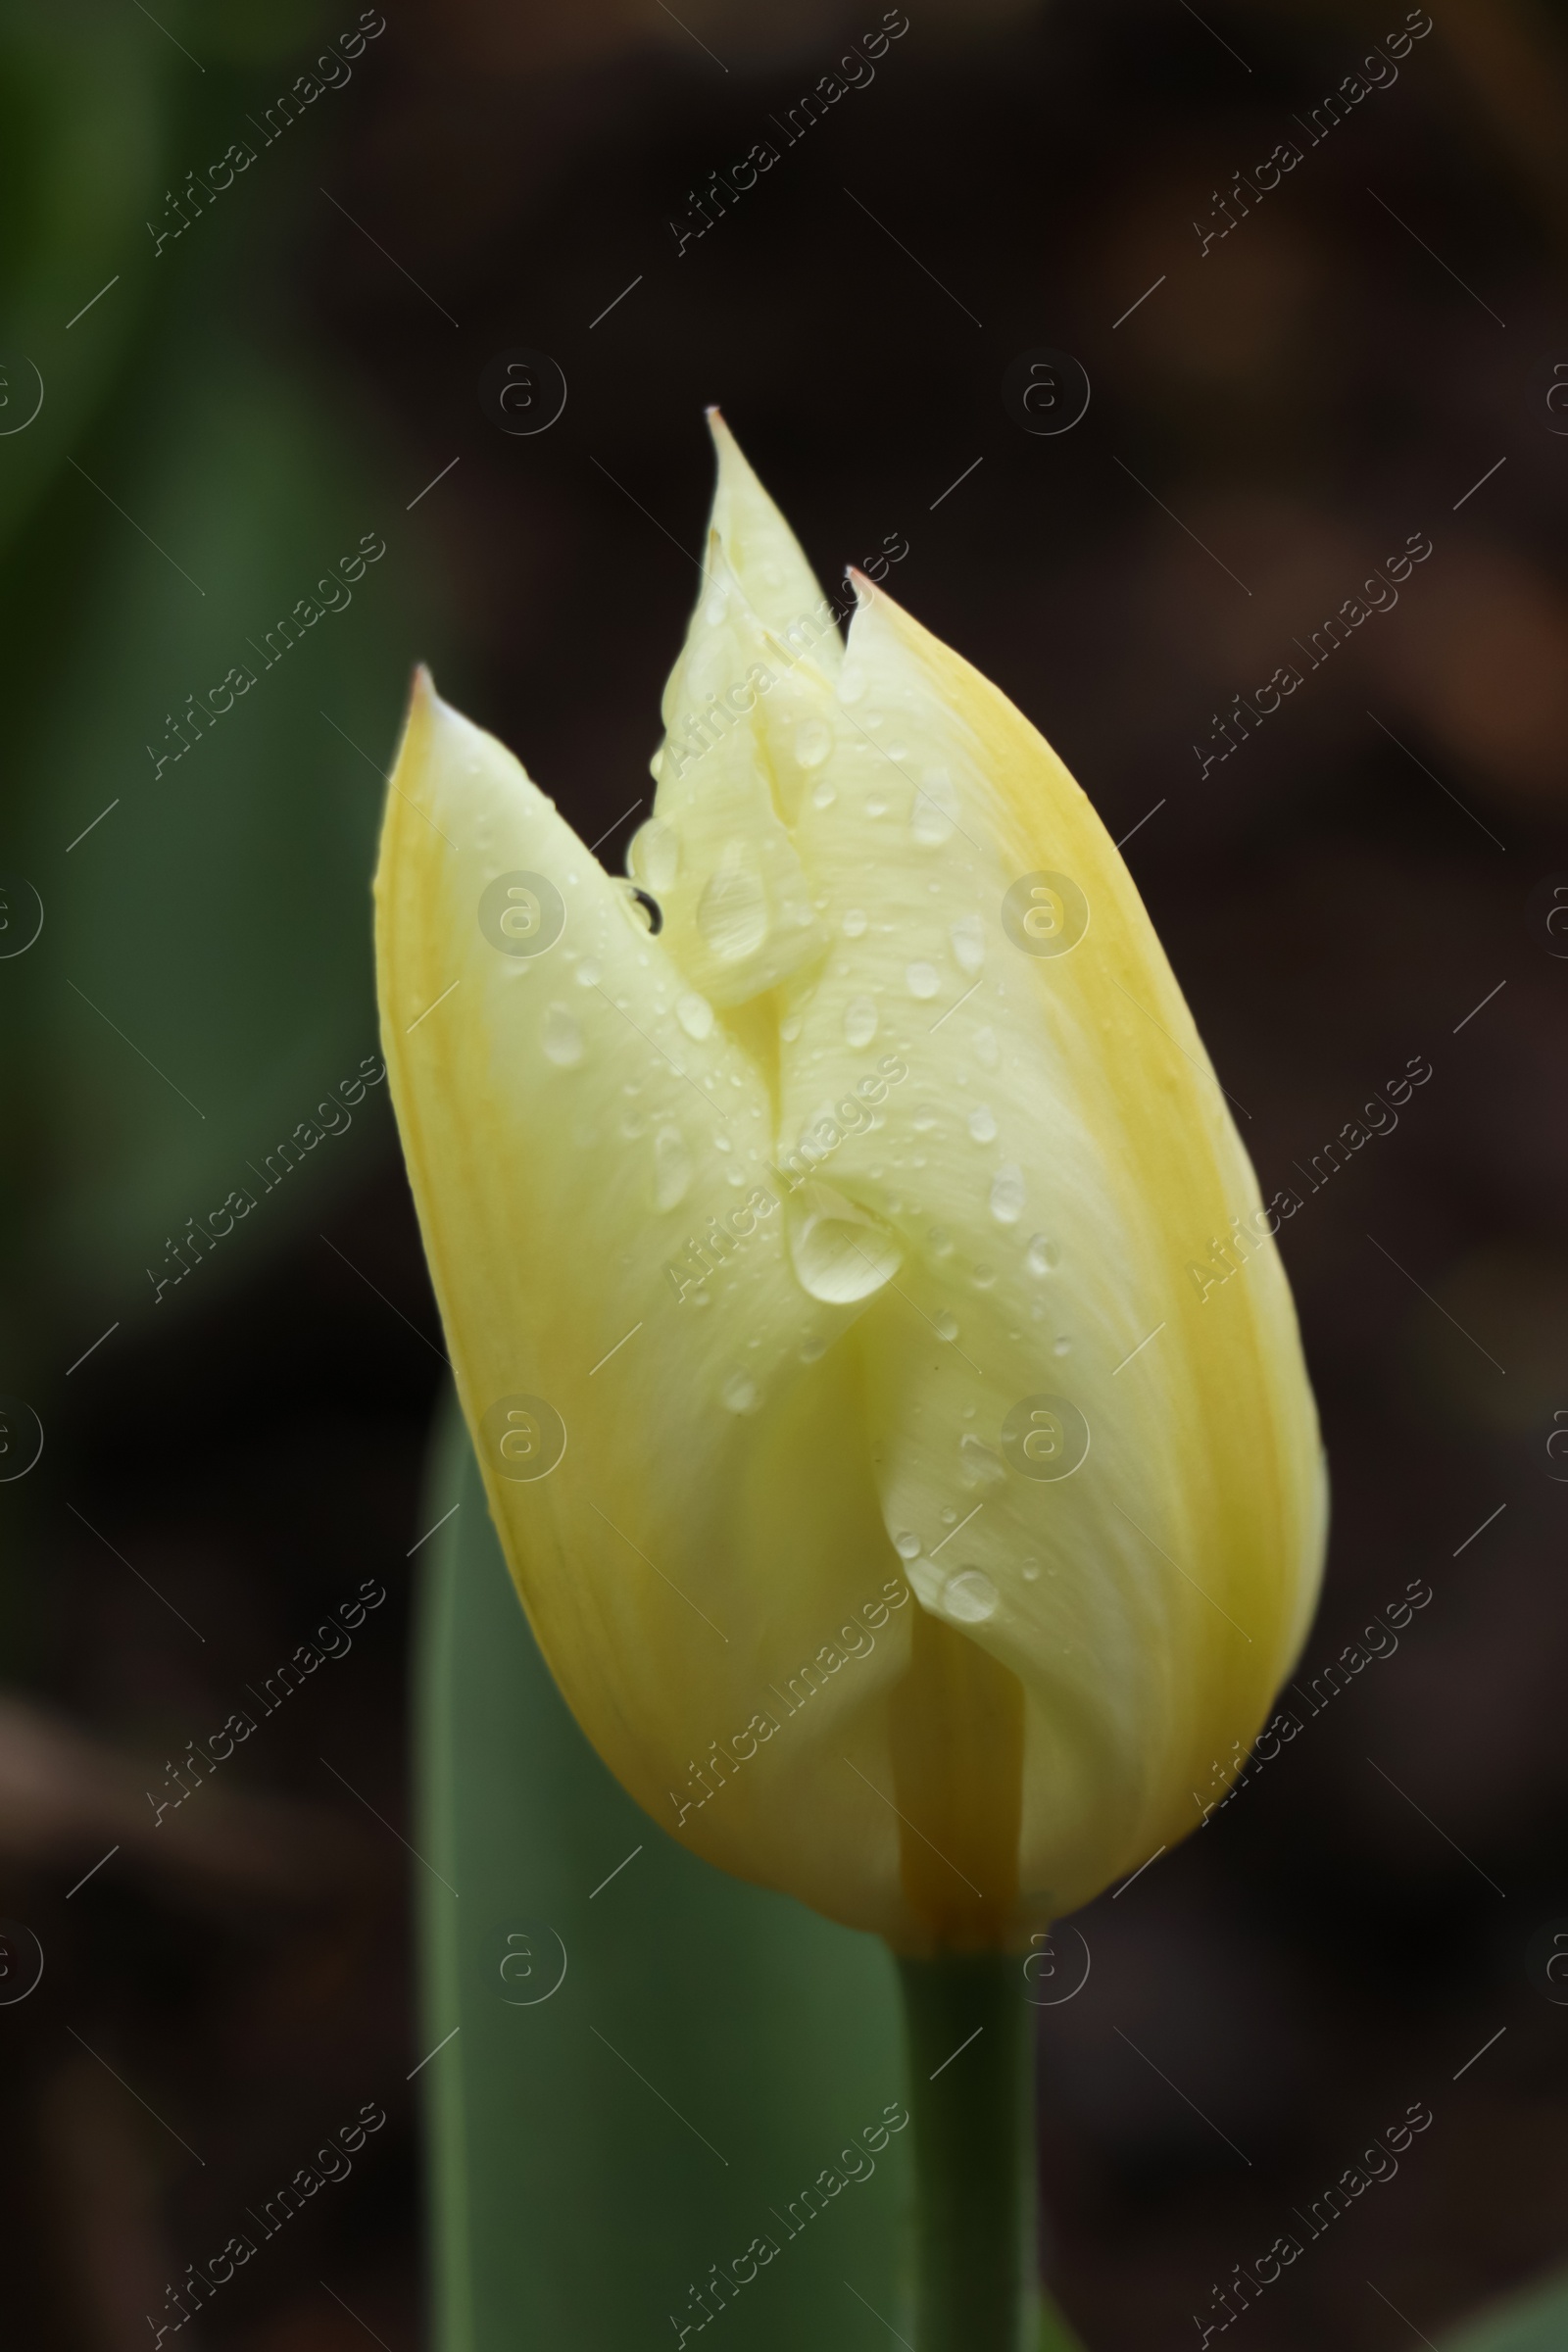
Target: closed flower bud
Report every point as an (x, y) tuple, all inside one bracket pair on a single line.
[(906, 1524)]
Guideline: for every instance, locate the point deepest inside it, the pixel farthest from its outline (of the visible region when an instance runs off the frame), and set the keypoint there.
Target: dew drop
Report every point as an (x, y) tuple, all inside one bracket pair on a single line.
[(931, 821), (814, 740), (588, 974), (740, 1394), (939, 1241), (968, 937), (1042, 1255), (922, 979), (907, 1547), (732, 911), (944, 1325), (672, 1168), (984, 1278), (655, 855), (840, 1254), (851, 683), (948, 1517), (969, 1598), (824, 794), (983, 1123), (791, 1026), (859, 1020), (1061, 1346), (855, 922), (876, 805), (814, 1350), (561, 1036), (985, 1467), (1007, 1194), (1031, 1571), (985, 1046), (694, 1015), (924, 1119)]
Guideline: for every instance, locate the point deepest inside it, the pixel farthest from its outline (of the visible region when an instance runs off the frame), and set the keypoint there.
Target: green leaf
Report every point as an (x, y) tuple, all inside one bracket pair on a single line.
[(599, 2139), (1536, 2321)]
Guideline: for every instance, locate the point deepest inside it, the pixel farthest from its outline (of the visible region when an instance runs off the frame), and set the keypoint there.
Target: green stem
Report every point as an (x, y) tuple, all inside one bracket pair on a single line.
[(974, 2157)]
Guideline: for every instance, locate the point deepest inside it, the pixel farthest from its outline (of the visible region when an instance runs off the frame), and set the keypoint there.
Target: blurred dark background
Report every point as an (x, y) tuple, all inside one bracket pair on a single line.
[(1367, 355)]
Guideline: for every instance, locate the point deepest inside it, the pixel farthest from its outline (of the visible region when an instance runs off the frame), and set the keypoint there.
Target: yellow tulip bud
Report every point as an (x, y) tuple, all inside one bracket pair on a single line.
[(886, 1384)]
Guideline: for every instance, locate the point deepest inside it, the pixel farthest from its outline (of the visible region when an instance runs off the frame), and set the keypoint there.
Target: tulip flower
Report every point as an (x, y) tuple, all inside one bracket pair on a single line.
[(886, 1384)]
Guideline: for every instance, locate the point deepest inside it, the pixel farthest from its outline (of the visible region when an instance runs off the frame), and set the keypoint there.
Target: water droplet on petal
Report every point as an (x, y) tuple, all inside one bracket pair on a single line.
[(945, 1326), (732, 911), (561, 1036), (791, 1026), (968, 937), (814, 740), (740, 1394), (694, 1015), (851, 683), (907, 1547), (855, 922), (987, 1468), (824, 794), (1031, 1571), (935, 809), (939, 1241), (985, 1046), (588, 974), (969, 1598), (859, 1020), (983, 1123), (655, 855), (1007, 1194), (840, 1254), (1042, 1256), (922, 979), (672, 1167), (1061, 1346)]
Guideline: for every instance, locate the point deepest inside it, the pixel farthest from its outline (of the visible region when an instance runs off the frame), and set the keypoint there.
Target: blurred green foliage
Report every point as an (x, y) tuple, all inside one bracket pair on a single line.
[(203, 975)]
